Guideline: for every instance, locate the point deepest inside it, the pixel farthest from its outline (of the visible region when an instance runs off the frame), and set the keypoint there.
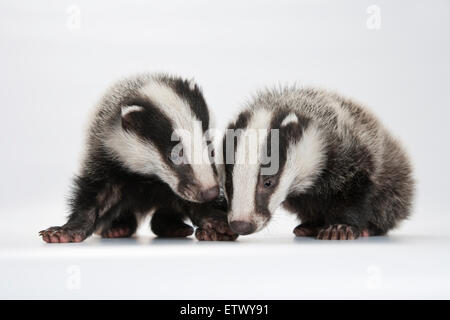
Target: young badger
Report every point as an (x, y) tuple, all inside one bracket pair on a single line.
[(130, 169), (333, 165)]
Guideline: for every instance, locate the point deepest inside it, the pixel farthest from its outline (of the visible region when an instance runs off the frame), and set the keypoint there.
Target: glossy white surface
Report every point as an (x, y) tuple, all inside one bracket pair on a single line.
[(413, 262)]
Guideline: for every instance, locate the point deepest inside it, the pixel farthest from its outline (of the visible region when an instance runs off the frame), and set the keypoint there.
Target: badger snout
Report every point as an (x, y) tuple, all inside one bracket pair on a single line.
[(242, 227), (209, 194)]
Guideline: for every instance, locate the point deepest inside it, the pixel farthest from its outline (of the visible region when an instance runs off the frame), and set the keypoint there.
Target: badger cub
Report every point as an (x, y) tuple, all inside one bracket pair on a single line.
[(142, 156), (319, 155)]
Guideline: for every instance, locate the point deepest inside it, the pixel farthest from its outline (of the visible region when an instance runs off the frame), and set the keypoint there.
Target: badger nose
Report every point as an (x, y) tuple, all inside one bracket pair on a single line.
[(242, 227), (210, 194)]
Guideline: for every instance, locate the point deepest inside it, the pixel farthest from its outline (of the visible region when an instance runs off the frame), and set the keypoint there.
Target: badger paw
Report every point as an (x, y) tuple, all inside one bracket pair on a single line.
[(215, 230), (339, 232), (304, 230), (122, 232), (62, 235)]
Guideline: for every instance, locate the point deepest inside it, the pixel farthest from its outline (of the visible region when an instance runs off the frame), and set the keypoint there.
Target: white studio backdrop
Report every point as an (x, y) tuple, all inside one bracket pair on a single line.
[(57, 58)]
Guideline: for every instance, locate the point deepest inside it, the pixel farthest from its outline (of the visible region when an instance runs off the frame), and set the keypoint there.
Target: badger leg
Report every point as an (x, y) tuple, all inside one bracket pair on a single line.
[(90, 200), (342, 216), (167, 223)]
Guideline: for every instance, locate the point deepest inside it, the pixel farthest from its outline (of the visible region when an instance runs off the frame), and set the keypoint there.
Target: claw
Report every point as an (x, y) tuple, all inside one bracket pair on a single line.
[(338, 232)]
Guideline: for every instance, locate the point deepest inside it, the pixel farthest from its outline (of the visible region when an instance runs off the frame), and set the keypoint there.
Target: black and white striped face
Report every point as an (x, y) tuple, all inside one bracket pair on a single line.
[(268, 154), (164, 131)]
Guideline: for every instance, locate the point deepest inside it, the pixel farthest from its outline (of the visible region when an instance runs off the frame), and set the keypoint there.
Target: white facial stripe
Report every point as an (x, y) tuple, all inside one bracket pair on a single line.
[(304, 162), (309, 158), (170, 104), (197, 152), (128, 109), (184, 120), (220, 164), (245, 174), (139, 156), (291, 118)]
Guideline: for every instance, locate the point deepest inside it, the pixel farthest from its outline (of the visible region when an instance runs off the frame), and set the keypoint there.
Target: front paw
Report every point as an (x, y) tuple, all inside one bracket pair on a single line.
[(62, 235), (215, 230), (338, 232)]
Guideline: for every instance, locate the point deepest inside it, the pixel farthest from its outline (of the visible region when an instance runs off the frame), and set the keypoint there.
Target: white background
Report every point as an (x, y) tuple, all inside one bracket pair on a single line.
[(57, 58)]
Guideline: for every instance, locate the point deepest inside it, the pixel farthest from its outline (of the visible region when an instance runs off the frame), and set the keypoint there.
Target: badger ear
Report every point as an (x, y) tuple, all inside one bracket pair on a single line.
[(290, 118), (130, 116), (192, 84), (293, 125)]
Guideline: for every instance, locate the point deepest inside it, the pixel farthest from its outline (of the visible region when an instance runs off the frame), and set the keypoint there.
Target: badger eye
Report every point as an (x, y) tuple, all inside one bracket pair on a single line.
[(213, 153), (176, 157), (267, 183)]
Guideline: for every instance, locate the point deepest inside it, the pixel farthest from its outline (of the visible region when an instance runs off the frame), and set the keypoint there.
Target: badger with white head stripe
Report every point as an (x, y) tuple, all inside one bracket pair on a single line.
[(148, 150), (319, 155)]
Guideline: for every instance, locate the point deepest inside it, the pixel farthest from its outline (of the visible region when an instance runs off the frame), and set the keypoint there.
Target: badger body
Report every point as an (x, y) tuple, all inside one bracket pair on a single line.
[(337, 168), (130, 169)]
